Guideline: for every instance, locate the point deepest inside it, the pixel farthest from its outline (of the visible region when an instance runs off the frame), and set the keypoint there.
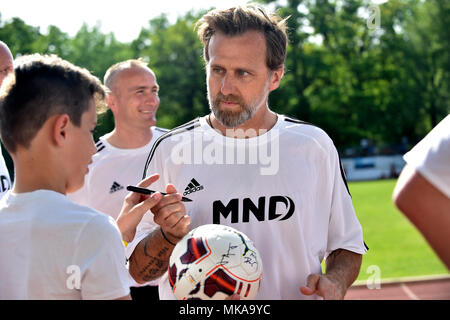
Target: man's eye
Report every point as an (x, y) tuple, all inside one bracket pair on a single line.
[(243, 73)]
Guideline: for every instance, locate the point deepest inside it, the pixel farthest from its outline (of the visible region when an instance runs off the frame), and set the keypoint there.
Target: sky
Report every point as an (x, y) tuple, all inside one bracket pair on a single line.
[(124, 18)]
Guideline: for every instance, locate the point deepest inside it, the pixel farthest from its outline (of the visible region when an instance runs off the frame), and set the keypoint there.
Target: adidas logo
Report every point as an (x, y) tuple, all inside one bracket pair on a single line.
[(115, 187), (192, 187)]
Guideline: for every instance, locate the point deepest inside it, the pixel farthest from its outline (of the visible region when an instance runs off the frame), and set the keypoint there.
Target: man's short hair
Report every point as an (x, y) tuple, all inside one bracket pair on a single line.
[(40, 87), (240, 19), (112, 72)]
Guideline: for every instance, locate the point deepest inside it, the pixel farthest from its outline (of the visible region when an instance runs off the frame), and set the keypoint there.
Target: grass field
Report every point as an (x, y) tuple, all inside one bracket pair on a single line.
[(395, 246)]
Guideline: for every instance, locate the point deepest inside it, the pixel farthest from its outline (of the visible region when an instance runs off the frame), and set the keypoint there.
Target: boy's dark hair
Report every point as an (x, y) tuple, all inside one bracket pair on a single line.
[(40, 87), (238, 20)]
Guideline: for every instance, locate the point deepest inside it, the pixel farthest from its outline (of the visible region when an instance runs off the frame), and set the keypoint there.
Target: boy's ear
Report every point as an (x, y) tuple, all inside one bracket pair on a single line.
[(60, 129)]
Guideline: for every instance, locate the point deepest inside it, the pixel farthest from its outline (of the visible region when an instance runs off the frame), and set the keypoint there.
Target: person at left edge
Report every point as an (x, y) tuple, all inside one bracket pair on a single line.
[(6, 68), (50, 247), (132, 94)]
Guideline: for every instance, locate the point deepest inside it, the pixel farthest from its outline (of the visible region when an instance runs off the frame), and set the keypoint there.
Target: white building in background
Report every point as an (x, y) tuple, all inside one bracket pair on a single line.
[(373, 168)]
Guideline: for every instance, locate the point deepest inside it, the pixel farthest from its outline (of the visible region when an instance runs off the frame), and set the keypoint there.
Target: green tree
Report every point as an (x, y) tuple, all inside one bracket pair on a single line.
[(19, 36), (415, 46), (96, 51), (54, 42)]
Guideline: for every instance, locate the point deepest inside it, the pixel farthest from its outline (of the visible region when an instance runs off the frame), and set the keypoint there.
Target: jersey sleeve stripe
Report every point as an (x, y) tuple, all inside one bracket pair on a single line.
[(296, 121), (161, 129), (344, 177), (180, 129)]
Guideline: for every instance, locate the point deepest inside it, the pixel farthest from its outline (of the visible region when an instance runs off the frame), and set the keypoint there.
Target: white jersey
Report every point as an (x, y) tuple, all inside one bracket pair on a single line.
[(111, 171), (284, 189), (52, 248), (431, 156), (5, 180)]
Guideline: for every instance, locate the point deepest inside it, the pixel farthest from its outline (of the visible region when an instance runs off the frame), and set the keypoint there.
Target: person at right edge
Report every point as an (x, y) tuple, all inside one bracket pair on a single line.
[(298, 211), (422, 192)]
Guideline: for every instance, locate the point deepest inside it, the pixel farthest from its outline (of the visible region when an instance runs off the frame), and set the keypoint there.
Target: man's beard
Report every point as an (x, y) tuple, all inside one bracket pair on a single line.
[(229, 118), (233, 119)]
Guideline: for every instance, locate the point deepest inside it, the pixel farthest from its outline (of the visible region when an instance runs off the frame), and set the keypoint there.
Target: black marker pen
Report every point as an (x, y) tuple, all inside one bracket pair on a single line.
[(147, 191)]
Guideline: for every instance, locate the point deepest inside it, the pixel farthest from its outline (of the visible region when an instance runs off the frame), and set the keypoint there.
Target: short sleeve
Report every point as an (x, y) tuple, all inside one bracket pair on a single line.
[(344, 230), (431, 156)]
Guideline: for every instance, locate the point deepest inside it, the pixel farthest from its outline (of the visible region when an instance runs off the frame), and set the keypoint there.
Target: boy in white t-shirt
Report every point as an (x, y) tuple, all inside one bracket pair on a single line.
[(52, 248), (422, 192)]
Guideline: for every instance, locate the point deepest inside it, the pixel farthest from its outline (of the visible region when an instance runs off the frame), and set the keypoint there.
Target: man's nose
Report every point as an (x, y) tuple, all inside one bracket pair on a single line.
[(152, 99), (228, 85)]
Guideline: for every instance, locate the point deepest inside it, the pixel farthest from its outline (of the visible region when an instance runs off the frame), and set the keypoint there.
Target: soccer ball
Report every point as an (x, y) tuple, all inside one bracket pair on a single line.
[(212, 262)]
